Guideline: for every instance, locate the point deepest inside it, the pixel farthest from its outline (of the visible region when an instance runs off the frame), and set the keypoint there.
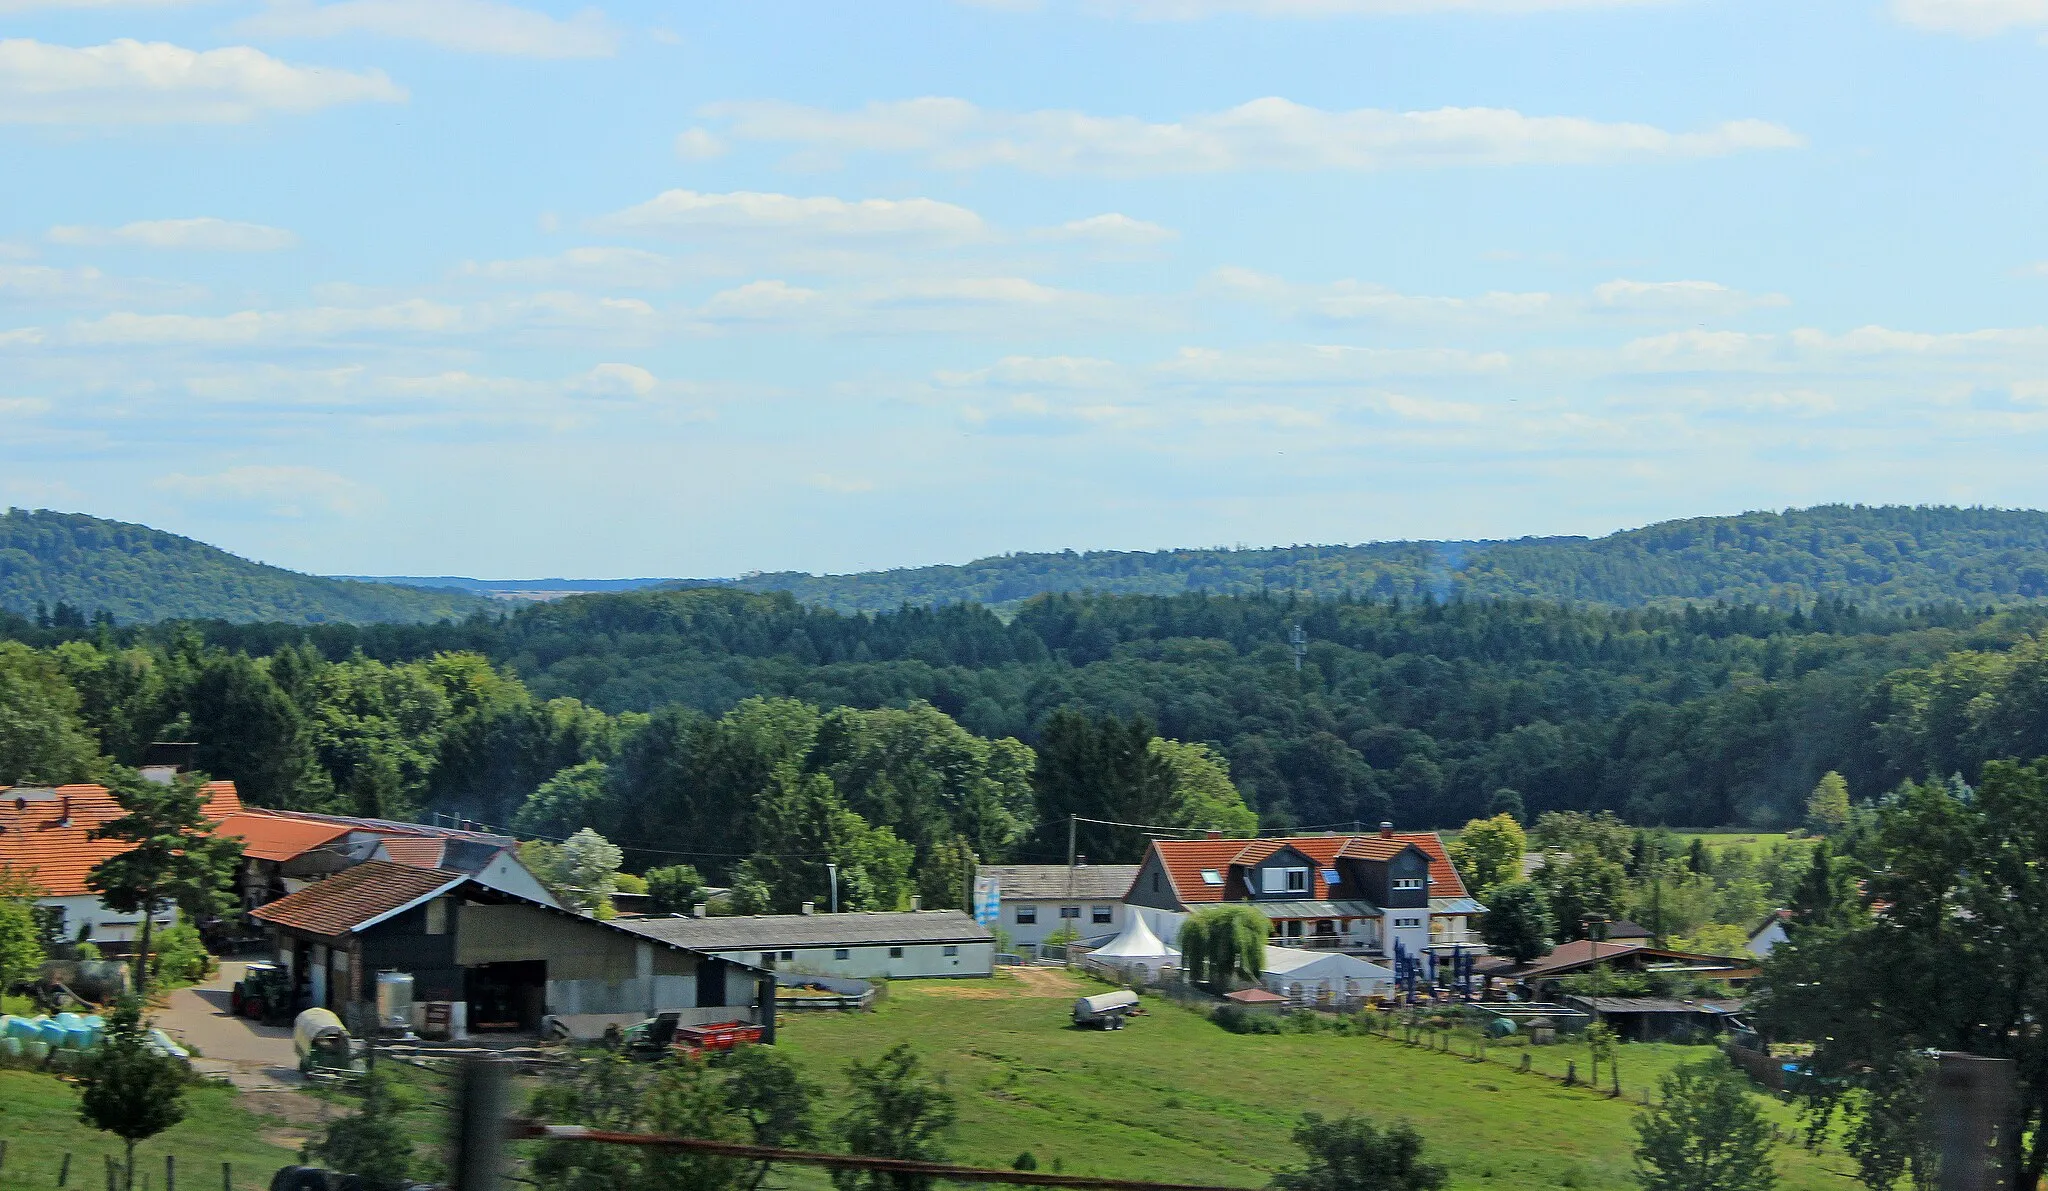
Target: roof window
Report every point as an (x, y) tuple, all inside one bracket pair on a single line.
[(1211, 877)]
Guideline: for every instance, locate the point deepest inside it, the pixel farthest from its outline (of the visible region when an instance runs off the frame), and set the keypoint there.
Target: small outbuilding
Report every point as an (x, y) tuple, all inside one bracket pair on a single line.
[(1659, 1019), (894, 945)]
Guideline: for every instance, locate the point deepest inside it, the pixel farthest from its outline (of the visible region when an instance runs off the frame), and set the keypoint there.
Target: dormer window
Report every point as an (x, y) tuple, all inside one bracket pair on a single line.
[(1211, 877), (1407, 882), (1297, 880)]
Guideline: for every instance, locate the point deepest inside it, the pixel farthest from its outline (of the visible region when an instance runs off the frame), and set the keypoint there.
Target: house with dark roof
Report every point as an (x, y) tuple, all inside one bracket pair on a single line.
[(1038, 900), (895, 945), (499, 960), (1380, 895), (284, 851), (46, 838)]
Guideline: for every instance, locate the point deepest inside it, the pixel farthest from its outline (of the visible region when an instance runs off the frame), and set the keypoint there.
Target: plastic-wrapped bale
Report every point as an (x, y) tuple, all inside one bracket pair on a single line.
[(50, 1033), (96, 1029), (10, 1047), (22, 1028), (163, 1044), (37, 1051)]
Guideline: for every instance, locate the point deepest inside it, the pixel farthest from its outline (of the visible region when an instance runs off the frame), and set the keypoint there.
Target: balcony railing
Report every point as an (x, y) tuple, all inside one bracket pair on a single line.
[(1325, 942)]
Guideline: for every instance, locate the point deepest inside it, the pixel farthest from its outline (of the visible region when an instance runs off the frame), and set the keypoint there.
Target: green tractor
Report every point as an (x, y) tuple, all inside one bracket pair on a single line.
[(264, 993)]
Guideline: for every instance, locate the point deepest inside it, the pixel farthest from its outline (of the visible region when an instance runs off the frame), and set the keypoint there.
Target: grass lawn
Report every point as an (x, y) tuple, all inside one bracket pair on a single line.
[(39, 1121), (1174, 1097)]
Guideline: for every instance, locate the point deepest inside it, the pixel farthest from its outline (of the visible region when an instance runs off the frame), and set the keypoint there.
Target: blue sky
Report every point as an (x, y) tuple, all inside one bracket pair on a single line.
[(459, 286)]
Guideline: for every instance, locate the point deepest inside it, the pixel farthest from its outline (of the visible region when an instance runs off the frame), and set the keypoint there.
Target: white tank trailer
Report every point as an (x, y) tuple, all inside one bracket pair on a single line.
[(1105, 1011)]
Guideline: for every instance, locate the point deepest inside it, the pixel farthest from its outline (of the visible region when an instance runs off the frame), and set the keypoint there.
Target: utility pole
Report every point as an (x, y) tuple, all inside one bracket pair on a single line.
[(1072, 823)]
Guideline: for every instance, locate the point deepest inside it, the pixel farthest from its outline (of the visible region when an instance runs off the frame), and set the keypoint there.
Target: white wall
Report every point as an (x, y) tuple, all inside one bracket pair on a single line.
[(507, 874), (865, 963), (108, 926), (1049, 920)]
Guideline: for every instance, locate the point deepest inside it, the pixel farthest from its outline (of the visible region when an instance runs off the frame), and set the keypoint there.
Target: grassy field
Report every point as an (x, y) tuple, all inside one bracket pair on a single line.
[(39, 1122), (1174, 1097)]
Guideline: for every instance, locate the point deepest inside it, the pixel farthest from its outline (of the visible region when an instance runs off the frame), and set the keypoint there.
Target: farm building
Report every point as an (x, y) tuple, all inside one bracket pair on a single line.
[(1768, 934), (284, 851), (508, 961), (1359, 894), (1659, 1019), (1542, 974), (46, 837), (1038, 900), (894, 944)]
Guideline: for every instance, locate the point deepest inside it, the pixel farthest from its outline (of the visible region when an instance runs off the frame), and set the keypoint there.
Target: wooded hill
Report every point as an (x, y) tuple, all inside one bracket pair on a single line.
[(1876, 556), (134, 573)]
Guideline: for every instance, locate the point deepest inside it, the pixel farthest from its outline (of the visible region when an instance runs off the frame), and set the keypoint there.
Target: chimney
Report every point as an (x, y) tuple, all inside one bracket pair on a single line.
[(1213, 834), (1386, 829), (697, 910), (810, 907), (1080, 862), (916, 902), (64, 812)]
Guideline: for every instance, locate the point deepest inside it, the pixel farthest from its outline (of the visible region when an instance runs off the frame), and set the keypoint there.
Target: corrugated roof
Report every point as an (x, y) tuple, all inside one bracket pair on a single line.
[(1027, 882), (268, 837), (1316, 909), (771, 931), (353, 897), (46, 833), (393, 827), (1714, 1005)]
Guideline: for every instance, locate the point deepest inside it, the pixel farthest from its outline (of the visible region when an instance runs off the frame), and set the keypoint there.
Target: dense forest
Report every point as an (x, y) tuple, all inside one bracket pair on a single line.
[(98, 569), (1415, 710)]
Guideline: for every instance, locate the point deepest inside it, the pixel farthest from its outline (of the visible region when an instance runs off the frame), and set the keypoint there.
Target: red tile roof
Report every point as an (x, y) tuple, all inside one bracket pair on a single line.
[(413, 851), (1185, 860), (273, 837), (46, 834), (355, 896)]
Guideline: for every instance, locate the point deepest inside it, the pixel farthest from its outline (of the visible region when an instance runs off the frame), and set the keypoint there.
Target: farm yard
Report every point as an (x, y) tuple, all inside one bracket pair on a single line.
[(1174, 1097)]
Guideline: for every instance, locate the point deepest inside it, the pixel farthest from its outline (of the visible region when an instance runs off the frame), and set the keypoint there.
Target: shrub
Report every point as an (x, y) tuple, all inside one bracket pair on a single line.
[(1239, 1020), (181, 956)]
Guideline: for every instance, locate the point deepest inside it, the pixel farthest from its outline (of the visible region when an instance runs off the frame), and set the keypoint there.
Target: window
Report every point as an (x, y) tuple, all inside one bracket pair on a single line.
[(1070, 911), (1155, 881), (437, 916), (1399, 923), (1407, 882), (840, 953), (1297, 880), (1211, 877), (952, 950), (789, 955), (1332, 877), (1026, 915), (1099, 915), (895, 953), (767, 959)]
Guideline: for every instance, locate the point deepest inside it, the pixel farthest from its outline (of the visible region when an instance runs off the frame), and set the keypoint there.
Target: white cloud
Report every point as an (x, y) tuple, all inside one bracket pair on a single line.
[(1181, 10), (47, 283), (14, 6), (1111, 230), (1976, 17), (633, 268), (193, 235), (133, 82), (317, 324), (688, 213), (1059, 372), (280, 491), (1680, 297), (922, 305), (617, 380), (1325, 364), (695, 144), (1360, 301), (1269, 133), (469, 26)]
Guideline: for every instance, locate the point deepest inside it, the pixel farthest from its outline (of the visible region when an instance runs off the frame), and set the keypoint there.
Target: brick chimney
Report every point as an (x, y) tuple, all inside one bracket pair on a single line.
[(1213, 834), (1386, 829)]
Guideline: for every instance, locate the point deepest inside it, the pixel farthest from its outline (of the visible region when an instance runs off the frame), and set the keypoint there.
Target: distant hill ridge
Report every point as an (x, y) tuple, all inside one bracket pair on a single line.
[(1890, 556), (136, 573)]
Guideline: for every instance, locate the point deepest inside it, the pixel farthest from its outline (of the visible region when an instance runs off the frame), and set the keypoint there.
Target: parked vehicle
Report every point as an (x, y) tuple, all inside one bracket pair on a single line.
[(663, 1034), (264, 993)]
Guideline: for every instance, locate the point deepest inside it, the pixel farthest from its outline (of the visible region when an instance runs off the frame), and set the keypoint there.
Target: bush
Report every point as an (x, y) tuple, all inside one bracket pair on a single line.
[(180, 957), (1239, 1020)]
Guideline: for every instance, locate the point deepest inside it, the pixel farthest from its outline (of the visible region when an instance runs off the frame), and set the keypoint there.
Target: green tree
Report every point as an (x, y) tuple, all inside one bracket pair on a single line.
[(1222, 942), (1100, 769), (674, 889), (1587, 888), (246, 725), (1826, 896), (894, 1111), (41, 737), (173, 858), (1488, 852), (1353, 1154), (946, 877), (370, 1142), (1203, 795), (801, 825), (127, 1089), (588, 866), (21, 943), (764, 1088), (1517, 922), (574, 798), (1827, 808), (1505, 801), (1706, 1134)]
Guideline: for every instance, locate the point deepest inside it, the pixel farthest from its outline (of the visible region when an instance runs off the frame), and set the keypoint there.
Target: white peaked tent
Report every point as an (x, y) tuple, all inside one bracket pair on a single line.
[(1137, 947), (1323, 975)]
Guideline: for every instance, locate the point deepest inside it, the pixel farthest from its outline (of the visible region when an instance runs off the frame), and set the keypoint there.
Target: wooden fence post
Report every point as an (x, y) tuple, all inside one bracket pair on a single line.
[(227, 1176), (170, 1172), (1571, 1073), (64, 1171)]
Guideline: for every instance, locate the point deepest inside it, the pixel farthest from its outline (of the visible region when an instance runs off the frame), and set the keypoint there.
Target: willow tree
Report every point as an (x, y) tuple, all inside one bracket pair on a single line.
[(1224, 941)]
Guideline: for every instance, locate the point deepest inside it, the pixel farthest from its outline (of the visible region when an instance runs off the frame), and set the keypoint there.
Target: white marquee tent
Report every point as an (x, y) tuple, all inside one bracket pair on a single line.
[(1323, 975), (1137, 948)]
